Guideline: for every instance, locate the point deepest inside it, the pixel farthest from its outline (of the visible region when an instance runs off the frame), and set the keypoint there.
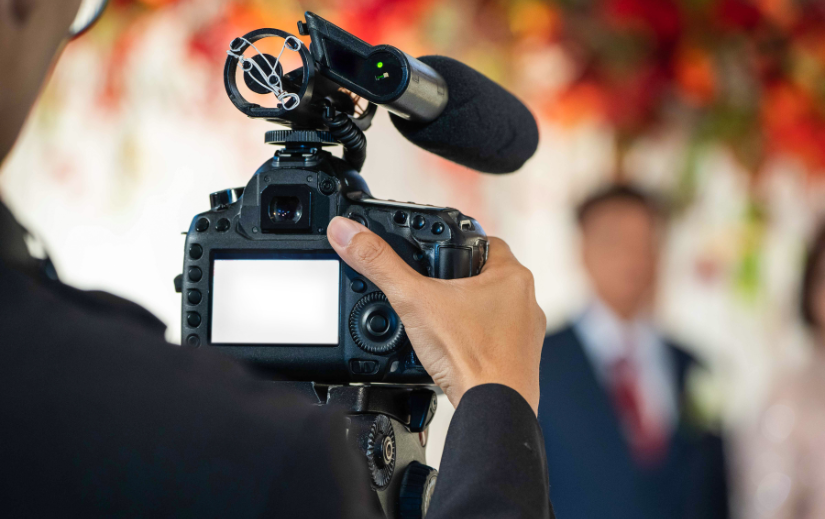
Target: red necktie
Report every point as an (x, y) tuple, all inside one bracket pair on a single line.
[(647, 438)]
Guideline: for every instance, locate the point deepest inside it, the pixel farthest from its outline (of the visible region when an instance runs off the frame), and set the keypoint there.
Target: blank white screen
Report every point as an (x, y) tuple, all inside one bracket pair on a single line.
[(275, 301)]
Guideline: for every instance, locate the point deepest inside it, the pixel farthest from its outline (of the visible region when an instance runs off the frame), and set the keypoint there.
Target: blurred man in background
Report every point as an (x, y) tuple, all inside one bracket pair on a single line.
[(613, 388)]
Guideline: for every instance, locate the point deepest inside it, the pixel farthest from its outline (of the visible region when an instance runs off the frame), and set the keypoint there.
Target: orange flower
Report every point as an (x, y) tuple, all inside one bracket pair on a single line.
[(793, 126), (782, 12), (535, 19), (695, 76), (154, 4), (582, 101)]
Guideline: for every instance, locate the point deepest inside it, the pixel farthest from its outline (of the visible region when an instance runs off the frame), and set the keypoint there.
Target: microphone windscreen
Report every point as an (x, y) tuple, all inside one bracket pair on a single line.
[(483, 126)]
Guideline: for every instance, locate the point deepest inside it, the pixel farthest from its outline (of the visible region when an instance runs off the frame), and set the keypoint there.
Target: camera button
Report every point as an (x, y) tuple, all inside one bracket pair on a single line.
[(222, 225), (193, 319), (358, 218), (195, 274), (195, 251), (327, 186), (193, 341), (400, 217), (358, 285), (202, 224), (438, 228), (193, 296), (374, 325), (378, 324), (363, 367), (419, 222)]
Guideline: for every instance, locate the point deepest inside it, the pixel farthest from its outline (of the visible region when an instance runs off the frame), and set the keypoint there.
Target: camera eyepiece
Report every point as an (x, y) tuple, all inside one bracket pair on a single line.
[(286, 209)]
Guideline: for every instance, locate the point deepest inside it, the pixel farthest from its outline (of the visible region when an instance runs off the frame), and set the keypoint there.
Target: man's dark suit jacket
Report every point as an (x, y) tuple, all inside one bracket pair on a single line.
[(592, 475), (102, 417)]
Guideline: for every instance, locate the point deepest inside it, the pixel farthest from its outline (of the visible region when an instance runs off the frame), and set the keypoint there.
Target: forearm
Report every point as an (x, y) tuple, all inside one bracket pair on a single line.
[(494, 465)]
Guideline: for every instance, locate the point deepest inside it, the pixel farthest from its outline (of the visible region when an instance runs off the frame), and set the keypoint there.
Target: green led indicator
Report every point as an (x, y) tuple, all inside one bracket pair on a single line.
[(380, 64)]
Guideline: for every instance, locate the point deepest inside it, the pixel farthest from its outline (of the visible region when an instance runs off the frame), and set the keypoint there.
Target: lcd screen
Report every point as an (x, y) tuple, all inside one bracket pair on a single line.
[(275, 301)]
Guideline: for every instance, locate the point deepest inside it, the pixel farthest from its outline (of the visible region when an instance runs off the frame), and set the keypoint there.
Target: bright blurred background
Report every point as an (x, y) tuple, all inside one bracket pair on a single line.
[(717, 105)]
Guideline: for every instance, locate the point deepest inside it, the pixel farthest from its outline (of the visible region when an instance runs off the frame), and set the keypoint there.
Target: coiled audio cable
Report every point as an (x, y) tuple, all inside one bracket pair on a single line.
[(350, 136)]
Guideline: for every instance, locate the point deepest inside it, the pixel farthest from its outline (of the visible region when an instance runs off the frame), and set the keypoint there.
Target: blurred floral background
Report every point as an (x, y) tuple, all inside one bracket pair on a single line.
[(719, 106)]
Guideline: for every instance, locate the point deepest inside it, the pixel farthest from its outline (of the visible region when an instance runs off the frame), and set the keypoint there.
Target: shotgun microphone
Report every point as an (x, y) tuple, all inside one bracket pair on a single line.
[(482, 126), (437, 103)]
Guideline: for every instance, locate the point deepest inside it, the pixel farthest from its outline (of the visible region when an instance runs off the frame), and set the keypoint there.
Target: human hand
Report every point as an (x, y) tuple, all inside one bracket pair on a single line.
[(466, 332)]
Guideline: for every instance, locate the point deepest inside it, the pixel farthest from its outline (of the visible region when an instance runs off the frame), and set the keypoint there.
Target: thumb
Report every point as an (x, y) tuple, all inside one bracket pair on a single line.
[(371, 256)]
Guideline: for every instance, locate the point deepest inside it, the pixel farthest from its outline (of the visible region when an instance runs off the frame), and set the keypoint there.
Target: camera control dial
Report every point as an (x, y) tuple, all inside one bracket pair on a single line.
[(417, 488), (374, 325), (381, 451)]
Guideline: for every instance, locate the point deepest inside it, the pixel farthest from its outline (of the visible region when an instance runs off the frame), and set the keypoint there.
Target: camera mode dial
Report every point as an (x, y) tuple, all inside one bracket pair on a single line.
[(374, 325)]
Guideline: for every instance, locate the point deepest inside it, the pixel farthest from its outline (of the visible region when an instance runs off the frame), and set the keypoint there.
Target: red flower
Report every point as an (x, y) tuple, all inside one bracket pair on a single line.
[(793, 125), (737, 15), (660, 18)]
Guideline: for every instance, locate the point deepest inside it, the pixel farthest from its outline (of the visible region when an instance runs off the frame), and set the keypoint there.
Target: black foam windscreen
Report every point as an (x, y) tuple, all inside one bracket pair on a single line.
[(483, 126)]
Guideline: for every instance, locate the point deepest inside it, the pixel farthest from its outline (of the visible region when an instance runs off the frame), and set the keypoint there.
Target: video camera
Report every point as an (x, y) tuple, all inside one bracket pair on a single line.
[(261, 282)]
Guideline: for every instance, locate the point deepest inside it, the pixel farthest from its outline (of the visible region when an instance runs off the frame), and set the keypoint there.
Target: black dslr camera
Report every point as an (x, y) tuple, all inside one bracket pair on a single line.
[(260, 280)]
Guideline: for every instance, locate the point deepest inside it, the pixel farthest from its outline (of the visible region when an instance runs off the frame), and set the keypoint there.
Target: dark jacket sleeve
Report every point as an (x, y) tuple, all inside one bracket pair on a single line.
[(494, 465), (103, 418)]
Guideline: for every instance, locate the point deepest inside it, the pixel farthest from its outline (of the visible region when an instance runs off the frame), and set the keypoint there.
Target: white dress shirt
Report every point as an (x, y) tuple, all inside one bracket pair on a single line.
[(606, 339)]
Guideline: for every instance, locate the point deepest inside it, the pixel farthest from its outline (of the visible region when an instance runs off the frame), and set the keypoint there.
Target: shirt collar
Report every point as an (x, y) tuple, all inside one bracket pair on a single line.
[(608, 338), (14, 248)]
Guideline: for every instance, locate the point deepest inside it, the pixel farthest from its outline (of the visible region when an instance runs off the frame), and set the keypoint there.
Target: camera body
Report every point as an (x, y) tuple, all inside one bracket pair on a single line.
[(264, 253), (260, 280)]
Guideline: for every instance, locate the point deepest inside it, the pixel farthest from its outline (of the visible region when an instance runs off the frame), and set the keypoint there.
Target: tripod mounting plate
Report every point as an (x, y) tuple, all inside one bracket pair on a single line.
[(413, 407)]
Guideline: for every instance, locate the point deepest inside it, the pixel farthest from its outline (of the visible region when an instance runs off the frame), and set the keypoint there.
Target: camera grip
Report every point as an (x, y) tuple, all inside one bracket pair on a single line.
[(453, 262)]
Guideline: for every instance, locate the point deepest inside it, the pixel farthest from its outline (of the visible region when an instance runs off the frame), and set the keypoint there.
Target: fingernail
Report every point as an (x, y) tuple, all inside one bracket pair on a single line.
[(342, 230)]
